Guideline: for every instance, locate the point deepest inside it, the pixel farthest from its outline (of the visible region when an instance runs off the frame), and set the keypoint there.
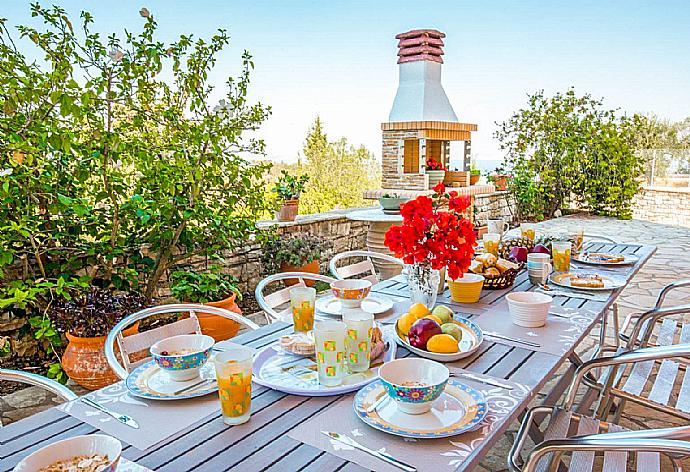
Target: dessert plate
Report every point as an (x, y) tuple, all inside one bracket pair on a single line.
[(599, 258), (472, 337), (610, 283), (460, 408), (151, 382), (297, 375), (375, 304)]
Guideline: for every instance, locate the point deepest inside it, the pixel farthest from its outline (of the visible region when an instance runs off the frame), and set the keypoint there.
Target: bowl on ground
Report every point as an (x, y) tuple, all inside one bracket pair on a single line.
[(182, 356), (68, 449), (351, 292), (528, 309), (414, 383)]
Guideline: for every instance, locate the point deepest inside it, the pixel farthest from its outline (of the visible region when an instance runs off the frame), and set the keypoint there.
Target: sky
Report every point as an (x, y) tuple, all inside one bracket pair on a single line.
[(337, 59)]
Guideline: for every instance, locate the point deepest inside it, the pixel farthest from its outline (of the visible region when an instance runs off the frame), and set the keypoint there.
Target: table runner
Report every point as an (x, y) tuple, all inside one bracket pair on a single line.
[(556, 337), (445, 454), (129, 466)]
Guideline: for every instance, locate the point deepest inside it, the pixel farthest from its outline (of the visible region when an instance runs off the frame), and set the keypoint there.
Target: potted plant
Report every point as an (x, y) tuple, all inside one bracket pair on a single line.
[(211, 288), (435, 171), (499, 178), (475, 174), (390, 202), (299, 253), (289, 188), (86, 318)]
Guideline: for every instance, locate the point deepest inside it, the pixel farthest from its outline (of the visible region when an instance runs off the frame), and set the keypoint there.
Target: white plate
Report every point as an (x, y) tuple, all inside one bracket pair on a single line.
[(375, 304), (297, 375), (150, 381), (610, 283), (472, 337), (582, 257), (460, 408)]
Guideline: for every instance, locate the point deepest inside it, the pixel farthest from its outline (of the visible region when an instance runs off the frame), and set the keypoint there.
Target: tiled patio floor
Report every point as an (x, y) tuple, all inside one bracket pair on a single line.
[(671, 262)]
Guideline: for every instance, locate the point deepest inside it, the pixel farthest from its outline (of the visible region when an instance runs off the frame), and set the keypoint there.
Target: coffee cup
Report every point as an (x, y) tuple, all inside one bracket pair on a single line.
[(538, 267)]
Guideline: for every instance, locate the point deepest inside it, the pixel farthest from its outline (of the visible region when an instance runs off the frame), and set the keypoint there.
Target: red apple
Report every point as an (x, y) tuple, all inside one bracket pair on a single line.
[(518, 254), (540, 248), (421, 331)]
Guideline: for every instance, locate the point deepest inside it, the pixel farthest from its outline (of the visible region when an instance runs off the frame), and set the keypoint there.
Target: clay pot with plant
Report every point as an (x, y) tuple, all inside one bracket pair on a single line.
[(289, 188), (499, 178), (475, 175), (211, 288), (298, 253), (86, 319)]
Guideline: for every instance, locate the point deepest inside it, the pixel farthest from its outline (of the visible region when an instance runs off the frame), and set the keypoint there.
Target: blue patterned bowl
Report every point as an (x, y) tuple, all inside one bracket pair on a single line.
[(414, 383), (182, 356)]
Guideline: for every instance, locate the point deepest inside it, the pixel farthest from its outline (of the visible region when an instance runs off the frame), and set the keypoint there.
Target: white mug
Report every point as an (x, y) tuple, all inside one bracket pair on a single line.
[(497, 226), (538, 267)]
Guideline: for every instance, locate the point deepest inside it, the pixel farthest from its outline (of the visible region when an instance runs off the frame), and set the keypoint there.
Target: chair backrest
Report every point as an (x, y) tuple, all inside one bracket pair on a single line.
[(38, 380), (362, 267), (269, 302), (136, 343)]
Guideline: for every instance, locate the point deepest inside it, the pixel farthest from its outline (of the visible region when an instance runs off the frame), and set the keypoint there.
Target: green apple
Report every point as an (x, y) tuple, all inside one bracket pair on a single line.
[(452, 329), (444, 313)]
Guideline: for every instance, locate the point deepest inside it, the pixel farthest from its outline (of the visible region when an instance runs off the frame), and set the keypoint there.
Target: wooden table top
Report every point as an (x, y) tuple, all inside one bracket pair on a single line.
[(263, 444)]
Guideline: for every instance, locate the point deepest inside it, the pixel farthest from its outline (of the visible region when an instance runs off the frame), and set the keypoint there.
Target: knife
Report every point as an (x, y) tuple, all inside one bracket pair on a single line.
[(384, 456), (508, 338), (374, 406), (124, 419), (477, 378)]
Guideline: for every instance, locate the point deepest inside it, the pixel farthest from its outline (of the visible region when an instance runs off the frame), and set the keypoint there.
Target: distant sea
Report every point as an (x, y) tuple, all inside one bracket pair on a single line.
[(485, 165)]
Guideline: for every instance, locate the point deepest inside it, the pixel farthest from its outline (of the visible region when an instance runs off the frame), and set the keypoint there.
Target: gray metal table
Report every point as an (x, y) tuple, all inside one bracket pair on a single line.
[(262, 443)]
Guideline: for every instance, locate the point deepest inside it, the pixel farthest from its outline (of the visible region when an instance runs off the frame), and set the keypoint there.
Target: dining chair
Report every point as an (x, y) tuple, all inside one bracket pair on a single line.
[(363, 267), (270, 302), (139, 343)]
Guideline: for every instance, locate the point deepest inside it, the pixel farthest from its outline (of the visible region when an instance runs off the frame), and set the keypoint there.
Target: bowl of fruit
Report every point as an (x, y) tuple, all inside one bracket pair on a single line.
[(437, 334)]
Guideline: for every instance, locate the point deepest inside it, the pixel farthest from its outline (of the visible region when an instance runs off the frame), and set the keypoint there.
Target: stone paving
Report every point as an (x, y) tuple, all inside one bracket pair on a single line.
[(668, 264)]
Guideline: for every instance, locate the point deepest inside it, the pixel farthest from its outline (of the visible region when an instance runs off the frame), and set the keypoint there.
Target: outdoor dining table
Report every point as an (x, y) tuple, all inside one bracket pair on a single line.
[(264, 442)]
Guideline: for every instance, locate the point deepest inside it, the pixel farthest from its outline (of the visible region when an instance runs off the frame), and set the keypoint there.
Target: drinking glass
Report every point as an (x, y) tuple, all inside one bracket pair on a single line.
[(538, 267), (303, 303), (528, 230), (560, 251), (234, 376), (360, 325), (491, 242), (329, 337), (578, 237), (497, 226)]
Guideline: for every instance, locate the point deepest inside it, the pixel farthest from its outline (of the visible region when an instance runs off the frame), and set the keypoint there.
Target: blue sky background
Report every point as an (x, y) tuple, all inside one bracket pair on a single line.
[(337, 59)]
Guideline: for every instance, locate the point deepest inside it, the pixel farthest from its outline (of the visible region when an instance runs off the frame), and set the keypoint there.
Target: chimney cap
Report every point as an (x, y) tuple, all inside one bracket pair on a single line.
[(420, 45), (431, 33)]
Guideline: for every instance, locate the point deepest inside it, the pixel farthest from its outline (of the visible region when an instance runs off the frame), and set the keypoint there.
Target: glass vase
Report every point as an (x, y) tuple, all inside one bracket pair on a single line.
[(424, 283)]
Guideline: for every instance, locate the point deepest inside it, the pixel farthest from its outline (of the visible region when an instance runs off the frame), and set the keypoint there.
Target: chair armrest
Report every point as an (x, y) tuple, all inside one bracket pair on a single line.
[(647, 320), (672, 286)]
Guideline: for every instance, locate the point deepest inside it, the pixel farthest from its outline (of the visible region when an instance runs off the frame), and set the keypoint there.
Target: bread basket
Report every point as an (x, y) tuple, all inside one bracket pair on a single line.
[(505, 280)]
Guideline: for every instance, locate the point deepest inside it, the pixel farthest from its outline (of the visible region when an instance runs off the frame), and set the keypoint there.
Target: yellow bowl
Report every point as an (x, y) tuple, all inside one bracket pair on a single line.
[(466, 289)]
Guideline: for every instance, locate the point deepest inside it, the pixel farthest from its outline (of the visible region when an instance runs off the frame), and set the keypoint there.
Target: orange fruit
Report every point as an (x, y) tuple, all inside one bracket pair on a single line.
[(435, 318), (442, 344), (419, 310), (405, 322)]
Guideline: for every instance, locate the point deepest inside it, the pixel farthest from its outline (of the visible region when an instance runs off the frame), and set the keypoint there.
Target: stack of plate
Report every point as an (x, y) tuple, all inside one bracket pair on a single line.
[(528, 309)]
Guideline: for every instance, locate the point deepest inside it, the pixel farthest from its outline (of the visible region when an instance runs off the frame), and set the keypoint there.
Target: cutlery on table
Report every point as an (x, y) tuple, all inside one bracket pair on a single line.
[(194, 386), (477, 378), (491, 334), (379, 401), (384, 456), (559, 315), (124, 419)]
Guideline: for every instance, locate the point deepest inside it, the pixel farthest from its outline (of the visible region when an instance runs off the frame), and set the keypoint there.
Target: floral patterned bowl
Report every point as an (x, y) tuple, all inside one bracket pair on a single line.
[(182, 356), (351, 292), (67, 449), (414, 383)]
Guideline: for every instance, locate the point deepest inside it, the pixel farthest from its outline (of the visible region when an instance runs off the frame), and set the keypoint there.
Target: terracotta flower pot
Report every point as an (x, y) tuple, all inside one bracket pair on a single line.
[(85, 363), (311, 267), (500, 182), (474, 179), (219, 327), (288, 212)]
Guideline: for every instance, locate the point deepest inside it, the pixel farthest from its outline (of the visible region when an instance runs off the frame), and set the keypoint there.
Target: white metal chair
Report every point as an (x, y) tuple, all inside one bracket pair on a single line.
[(141, 342), (270, 302), (362, 267), (52, 386)]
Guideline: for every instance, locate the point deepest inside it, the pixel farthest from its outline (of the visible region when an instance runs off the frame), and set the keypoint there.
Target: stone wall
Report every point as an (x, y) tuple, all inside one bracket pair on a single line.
[(494, 205), (391, 176), (666, 205)]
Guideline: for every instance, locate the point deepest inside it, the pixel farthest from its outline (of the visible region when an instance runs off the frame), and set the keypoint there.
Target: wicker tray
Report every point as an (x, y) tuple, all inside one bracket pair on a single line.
[(505, 280)]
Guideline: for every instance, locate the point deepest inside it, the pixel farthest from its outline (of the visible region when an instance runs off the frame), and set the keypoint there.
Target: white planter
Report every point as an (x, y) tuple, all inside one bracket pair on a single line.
[(435, 176)]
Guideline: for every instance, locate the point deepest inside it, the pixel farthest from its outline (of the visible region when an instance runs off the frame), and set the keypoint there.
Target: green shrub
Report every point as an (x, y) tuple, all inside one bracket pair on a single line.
[(294, 250), (202, 287)]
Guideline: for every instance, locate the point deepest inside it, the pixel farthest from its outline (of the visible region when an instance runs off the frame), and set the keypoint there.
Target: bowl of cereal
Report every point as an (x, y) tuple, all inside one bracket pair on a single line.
[(90, 453), (182, 356), (414, 383)]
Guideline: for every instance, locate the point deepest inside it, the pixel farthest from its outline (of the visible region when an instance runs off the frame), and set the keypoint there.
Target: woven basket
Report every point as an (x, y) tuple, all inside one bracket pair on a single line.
[(505, 280)]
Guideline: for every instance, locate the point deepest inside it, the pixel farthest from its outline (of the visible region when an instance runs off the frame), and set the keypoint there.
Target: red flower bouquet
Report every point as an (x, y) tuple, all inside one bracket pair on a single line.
[(432, 164), (434, 233)]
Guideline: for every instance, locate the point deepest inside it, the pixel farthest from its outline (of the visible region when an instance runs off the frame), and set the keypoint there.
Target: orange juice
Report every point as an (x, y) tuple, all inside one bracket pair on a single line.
[(235, 394), (491, 246), (560, 251), (303, 316)]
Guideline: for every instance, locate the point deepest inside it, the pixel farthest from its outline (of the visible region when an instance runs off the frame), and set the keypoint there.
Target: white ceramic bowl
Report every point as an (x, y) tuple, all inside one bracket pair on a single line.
[(529, 309), (68, 448), (196, 350), (430, 376)]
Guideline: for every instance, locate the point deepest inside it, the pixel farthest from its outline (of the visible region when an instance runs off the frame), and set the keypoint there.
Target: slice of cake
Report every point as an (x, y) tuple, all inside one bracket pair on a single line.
[(586, 280)]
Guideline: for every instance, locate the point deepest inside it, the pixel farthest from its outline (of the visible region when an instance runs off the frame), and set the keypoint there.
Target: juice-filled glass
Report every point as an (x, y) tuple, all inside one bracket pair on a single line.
[(234, 376), (578, 239), (329, 338), (560, 251), (360, 326), (303, 304), (491, 242), (528, 230)]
